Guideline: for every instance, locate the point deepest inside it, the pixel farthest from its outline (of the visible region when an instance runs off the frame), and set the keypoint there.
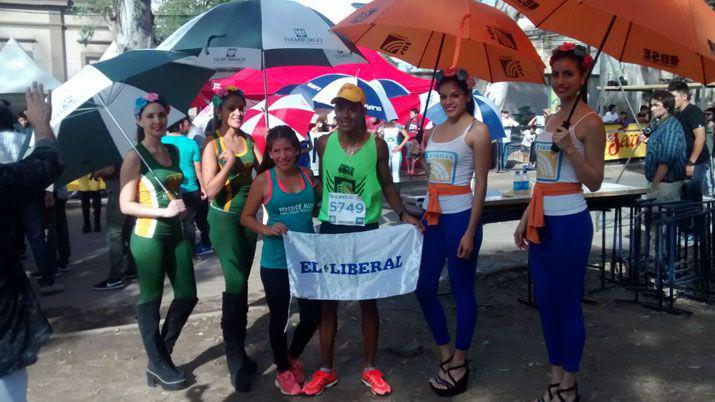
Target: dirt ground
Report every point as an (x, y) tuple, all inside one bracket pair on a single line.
[(632, 354)]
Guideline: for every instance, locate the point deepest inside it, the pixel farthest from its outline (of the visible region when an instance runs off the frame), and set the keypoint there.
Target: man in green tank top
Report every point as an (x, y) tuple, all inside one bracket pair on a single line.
[(354, 174)]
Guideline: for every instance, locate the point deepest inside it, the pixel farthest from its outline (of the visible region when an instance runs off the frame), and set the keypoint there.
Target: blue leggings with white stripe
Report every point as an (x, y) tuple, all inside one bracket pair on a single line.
[(558, 266), (441, 242)]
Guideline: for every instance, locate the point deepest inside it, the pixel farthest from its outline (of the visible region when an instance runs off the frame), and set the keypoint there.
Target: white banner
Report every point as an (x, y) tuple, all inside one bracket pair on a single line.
[(356, 266)]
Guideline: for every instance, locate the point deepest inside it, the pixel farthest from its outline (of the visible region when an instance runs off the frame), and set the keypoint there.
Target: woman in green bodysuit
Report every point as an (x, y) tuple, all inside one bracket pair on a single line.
[(157, 242), (228, 163)]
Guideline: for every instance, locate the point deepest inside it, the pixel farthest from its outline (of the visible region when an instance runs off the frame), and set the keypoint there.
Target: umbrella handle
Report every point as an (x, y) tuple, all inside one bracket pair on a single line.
[(567, 122), (434, 75)]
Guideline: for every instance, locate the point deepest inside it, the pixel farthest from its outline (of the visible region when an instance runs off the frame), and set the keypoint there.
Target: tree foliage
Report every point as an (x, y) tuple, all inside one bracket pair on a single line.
[(174, 13)]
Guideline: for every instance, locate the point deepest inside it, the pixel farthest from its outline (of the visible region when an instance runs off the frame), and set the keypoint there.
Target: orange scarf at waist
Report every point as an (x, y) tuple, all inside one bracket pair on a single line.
[(536, 209), (434, 191)]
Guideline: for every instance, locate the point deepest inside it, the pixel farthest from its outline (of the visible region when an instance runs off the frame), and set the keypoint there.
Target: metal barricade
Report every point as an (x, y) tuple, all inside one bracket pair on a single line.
[(672, 251)]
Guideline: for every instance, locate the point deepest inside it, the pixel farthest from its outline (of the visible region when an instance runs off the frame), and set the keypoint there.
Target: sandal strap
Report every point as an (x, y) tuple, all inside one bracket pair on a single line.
[(573, 388), (548, 389), (444, 363)]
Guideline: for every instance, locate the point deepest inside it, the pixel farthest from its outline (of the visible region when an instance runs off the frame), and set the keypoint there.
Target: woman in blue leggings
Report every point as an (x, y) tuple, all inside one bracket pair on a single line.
[(455, 151), (556, 227)]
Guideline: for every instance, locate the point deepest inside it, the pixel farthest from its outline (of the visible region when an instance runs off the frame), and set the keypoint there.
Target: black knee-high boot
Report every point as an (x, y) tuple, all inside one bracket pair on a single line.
[(233, 322), (160, 370), (176, 317)]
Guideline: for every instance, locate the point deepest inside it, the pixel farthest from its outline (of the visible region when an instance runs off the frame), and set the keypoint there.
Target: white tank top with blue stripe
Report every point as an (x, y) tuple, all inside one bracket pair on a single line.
[(557, 168)]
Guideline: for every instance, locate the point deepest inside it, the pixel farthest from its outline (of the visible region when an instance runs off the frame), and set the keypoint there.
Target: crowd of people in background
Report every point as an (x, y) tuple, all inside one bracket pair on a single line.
[(170, 185)]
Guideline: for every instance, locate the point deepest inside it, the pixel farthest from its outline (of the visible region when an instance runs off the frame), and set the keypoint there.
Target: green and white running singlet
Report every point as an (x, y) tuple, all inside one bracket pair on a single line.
[(157, 244), (344, 175)]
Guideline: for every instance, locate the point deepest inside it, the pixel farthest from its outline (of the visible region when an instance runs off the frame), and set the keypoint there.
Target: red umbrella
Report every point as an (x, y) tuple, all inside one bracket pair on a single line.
[(291, 110), (251, 81)]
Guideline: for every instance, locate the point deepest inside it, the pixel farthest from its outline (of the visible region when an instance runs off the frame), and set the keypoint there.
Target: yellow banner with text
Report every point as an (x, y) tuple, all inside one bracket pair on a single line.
[(622, 142)]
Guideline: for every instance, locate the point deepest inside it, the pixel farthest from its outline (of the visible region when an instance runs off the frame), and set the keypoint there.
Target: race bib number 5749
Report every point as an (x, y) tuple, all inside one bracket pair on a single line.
[(346, 209)]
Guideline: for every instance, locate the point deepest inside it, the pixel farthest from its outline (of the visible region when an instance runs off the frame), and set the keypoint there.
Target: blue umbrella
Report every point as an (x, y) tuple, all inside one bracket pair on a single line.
[(486, 112), (392, 88), (321, 90)]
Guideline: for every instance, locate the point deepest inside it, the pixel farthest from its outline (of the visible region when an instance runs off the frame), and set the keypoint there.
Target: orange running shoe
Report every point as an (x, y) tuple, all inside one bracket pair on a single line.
[(373, 379), (298, 371), (321, 380), (287, 384)]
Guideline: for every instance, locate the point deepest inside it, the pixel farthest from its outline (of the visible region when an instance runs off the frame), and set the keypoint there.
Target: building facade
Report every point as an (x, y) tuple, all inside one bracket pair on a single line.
[(53, 37)]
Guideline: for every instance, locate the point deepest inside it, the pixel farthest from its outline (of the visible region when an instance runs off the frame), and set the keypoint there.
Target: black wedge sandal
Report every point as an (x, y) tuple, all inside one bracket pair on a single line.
[(454, 387), (573, 389), (548, 390)]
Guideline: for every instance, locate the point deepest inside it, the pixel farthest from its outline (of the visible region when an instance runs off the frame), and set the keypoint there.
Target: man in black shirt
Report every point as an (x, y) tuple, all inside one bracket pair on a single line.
[(693, 122)]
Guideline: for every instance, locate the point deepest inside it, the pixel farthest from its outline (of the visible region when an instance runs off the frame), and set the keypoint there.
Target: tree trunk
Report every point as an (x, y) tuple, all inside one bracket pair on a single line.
[(132, 25)]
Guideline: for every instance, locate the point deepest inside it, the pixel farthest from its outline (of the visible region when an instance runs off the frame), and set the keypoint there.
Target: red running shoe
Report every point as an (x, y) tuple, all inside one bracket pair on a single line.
[(320, 381), (373, 379), (298, 371), (287, 384)]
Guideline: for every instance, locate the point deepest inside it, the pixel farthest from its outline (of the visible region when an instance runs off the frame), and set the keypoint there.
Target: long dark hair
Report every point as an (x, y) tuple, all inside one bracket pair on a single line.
[(140, 130), (583, 60), (219, 100), (274, 134), (464, 86)]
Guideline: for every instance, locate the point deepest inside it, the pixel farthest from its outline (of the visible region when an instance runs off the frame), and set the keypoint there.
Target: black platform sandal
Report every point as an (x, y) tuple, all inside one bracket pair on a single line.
[(548, 390), (454, 387), (573, 389)]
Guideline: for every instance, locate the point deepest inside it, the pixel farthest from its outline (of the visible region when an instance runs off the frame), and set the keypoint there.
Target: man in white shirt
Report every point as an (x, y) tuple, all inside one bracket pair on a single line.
[(611, 116)]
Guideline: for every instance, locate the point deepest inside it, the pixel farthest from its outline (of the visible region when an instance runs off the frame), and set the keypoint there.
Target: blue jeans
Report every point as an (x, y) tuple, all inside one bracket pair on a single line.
[(703, 174), (504, 154), (35, 234), (13, 387)]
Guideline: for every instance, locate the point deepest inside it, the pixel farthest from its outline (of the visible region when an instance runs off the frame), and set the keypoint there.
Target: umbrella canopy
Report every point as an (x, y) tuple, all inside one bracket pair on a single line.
[(485, 111), (674, 35), (392, 88), (291, 110), (321, 90), (19, 71), (92, 113), (260, 34), (251, 81), (464, 34)]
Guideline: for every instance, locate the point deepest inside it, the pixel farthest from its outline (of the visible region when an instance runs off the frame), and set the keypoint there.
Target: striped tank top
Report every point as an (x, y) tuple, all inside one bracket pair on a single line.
[(150, 194), (295, 210), (557, 168), (232, 196)]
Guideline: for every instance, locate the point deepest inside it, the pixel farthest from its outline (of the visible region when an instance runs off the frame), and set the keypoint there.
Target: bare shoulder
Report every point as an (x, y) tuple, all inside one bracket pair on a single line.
[(381, 145), (131, 158), (590, 122), (323, 139), (261, 178), (479, 131)]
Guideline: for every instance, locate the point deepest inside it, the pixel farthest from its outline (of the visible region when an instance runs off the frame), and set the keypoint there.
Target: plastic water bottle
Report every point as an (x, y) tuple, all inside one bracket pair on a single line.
[(524, 185), (516, 184)]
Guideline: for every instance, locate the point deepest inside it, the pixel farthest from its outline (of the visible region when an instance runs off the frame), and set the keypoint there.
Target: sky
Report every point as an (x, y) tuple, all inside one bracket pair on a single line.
[(335, 10)]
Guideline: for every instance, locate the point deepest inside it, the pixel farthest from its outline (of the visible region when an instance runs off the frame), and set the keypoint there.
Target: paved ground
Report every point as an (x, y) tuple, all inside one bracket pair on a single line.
[(632, 354)]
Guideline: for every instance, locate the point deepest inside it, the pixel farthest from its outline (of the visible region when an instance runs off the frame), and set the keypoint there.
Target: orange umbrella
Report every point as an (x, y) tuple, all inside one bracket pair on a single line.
[(444, 34), (671, 35)]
